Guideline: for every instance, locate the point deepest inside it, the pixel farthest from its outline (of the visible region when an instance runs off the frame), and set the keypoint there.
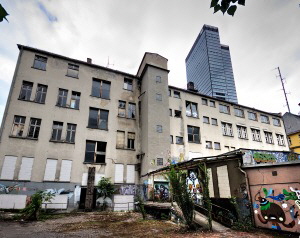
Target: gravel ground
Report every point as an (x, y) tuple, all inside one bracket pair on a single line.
[(109, 225)]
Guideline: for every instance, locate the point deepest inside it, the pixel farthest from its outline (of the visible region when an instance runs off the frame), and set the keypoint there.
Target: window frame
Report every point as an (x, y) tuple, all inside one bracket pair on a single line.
[(36, 128), (212, 103), (269, 137), (181, 139), (280, 139), (98, 119), (191, 109), (128, 84), (208, 144), (176, 94), (27, 88), (95, 152), (131, 114), (62, 98), (255, 133), (264, 116), (206, 120), (40, 62), (217, 143), (122, 108), (223, 106), (204, 101), (19, 124), (75, 97), (238, 112), (255, 116), (57, 128), (278, 120), (212, 121), (40, 96), (98, 92), (159, 161), (176, 113), (73, 70), (131, 141), (227, 129), (192, 132), (72, 133), (242, 132)]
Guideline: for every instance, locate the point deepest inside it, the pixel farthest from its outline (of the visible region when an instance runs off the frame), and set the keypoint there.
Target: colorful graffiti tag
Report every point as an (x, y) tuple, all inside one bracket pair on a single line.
[(253, 157), (8, 189), (161, 191), (278, 209), (194, 186)]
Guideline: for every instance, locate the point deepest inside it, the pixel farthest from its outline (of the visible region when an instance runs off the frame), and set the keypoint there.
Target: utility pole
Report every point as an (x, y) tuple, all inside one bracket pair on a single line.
[(287, 103)]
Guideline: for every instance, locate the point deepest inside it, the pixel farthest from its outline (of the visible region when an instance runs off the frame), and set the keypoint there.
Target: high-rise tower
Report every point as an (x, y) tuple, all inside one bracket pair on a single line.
[(208, 66)]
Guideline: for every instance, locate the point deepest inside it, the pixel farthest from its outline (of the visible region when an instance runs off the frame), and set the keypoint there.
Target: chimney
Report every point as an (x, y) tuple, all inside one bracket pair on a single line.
[(191, 87), (89, 60)]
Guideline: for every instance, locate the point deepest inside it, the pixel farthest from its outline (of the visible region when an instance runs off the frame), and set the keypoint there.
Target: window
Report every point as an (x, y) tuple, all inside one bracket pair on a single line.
[(191, 109), (269, 137), (128, 84), (255, 134), (242, 132), (26, 168), (50, 170), (65, 171), (176, 94), (120, 139), (264, 119), (71, 130), (158, 79), (238, 112), (179, 140), (131, 110), (75, 100), (276, 122), (208, 144), (252, 116), (119, 173), (159, 161), (62, 97), (26, 89), (122, 109), (98, 119), (204, 101), (18, 126), (130, 178), (8, 167), (224, 108), (177, 113), (280, 139), (130, 140), (34, 128), (40, 62), (56, 130), (73, 70), (212, 103), (41, 92), (170, 112), (214, 121), (159, 128), (193, 134), (101, 89), (171, 139), (227, 129), (158, 97), (206, 120), (95, 152), (170, 93), (289, 140), (217, 146)]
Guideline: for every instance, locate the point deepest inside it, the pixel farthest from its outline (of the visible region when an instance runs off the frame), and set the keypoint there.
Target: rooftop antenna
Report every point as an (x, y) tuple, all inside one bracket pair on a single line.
[(287, 103), (108, 64)]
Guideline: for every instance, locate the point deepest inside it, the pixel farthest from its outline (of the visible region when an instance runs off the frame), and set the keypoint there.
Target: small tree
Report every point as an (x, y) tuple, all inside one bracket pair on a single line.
[(33, 209), (105, 188), (181, 196)]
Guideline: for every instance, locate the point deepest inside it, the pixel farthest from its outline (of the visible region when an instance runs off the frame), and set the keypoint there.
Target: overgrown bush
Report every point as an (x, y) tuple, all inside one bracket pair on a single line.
[(33, 209), (105, 188), (181, 195)]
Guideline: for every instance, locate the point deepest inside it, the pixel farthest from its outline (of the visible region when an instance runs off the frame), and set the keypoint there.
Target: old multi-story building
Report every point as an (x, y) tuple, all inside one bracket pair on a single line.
[(67, 123), (292, 129)]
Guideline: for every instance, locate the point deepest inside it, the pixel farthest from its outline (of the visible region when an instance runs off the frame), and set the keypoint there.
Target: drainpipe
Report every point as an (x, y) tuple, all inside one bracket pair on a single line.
[(249, 193)]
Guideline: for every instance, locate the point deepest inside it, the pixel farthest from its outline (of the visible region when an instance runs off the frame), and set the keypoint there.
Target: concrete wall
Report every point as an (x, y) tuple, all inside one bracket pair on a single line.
[(278, 188)]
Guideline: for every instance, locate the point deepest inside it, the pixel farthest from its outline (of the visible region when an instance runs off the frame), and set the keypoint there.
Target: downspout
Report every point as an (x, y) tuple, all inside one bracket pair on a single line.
[(249, 193)]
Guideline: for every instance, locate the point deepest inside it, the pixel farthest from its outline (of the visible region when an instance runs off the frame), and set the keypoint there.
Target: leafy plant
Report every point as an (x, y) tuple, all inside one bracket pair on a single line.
[(105, 188), (33, 209), (140, 204), (181, 195), (242, 223), (228, 6)]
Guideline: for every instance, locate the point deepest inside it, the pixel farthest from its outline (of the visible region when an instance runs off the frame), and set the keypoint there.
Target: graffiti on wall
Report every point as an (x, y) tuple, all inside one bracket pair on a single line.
[(194, 187), (127, 189), (60, 191), (253, 157), (279, 209), (161, 191), (8, 189)]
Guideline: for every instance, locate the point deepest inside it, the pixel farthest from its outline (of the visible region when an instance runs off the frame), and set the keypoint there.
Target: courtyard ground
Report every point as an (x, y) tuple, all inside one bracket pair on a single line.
[(112, 224)]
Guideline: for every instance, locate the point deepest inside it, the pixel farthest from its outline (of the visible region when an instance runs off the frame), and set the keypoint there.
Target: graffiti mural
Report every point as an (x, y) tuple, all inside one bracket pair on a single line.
[(8, 189), (127, 189), (279, 209), (194, 186), (253, 157), (59, 192), (161, 191)]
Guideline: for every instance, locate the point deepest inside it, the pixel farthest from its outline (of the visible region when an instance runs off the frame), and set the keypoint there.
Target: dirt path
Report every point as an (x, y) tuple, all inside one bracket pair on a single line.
[(107, 225)]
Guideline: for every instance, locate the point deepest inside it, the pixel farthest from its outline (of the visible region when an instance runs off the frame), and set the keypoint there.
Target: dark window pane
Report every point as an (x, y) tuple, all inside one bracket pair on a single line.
[(93, 118), (101, 146), (96, 88), (100, 158), (89, 157), (105, 90)]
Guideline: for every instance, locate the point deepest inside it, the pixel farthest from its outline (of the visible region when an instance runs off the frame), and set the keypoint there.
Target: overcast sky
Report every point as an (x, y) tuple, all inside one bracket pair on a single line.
[(262, 36)]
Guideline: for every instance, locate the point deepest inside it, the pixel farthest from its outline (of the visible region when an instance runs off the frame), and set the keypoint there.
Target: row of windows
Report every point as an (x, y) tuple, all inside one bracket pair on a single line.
[(242, 134), (191, 110)]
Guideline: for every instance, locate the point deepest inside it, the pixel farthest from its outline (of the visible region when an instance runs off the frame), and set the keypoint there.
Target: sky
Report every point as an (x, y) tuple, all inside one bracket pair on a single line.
[(262, 36)]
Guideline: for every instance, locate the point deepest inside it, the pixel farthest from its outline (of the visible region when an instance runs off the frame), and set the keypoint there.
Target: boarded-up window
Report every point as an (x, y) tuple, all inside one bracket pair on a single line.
[(50, 170), (210, 183), (65, 171), (26, 168), (119, 173), (130, 178), (8, 168), (223, 182), (120, 139)]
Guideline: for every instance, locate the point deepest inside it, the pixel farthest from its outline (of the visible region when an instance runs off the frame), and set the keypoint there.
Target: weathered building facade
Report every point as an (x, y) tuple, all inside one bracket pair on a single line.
[(64, 116)]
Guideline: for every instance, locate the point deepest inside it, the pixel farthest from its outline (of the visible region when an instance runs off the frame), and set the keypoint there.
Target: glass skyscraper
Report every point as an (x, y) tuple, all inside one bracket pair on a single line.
[(208, 66)]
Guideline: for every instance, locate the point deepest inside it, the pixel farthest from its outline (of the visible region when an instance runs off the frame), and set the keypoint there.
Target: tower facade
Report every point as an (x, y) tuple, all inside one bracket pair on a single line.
[(208, 66)]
